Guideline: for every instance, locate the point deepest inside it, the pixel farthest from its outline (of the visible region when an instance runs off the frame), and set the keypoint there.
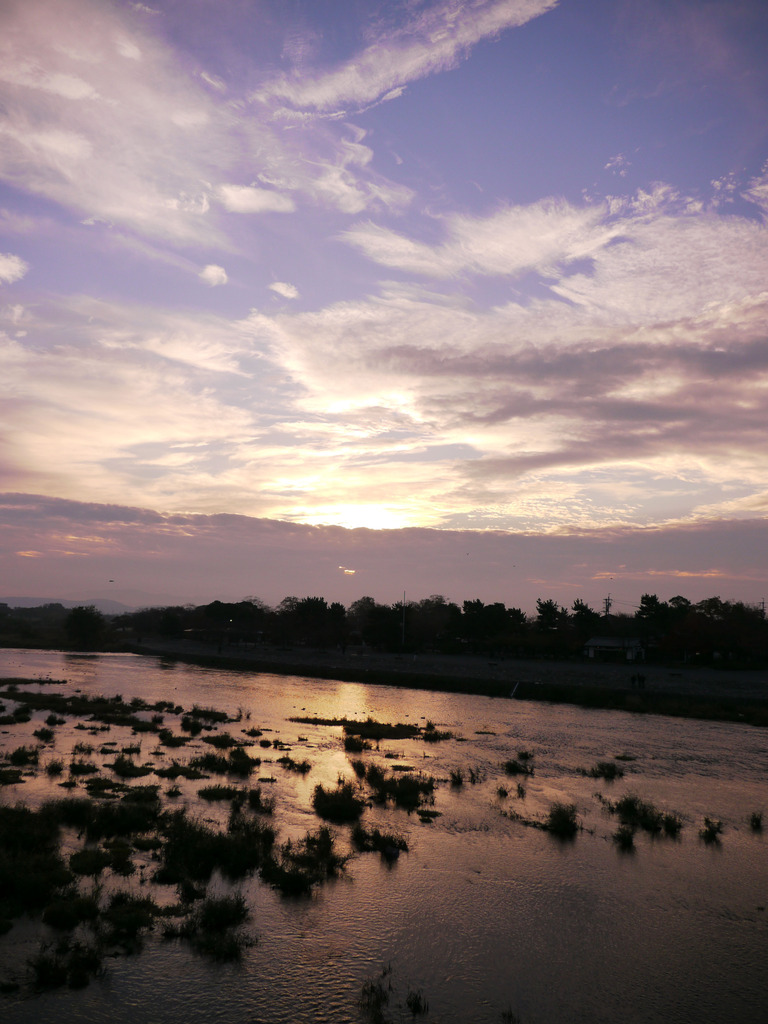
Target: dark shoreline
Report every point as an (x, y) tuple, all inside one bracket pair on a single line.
[(707, 694)]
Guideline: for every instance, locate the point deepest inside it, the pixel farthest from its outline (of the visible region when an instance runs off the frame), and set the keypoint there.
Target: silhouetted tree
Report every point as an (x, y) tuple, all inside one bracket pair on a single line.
[(85, 627)]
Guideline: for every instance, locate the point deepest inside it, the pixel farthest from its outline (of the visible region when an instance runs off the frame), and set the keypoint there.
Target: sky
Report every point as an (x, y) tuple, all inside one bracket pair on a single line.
[(319, 297)]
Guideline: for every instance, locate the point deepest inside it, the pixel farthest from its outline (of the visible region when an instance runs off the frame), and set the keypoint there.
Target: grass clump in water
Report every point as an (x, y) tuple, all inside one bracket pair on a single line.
[(756, 821), (374, 996), (260, 804), (214, 793), (432, 734), (356, 744), (635, 814), (301, 865), (192, 850), (517, 767), (562, 821), (368, 840), (126, 768), (406, 791), (211, 930), (624, 837), (416, 1003), (174, 770), (23, 757), (607, 770), (70, 910), (127, 917), (221, 741), (89, 861), (210, 714), (300, 767), (711, 830), (237, 763), (67, 963), (338, 805), (32, 872), (168, 739)]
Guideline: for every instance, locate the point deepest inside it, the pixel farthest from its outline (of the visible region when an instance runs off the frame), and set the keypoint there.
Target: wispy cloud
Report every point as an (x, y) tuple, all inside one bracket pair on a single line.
[(434, 40), (248, 199)]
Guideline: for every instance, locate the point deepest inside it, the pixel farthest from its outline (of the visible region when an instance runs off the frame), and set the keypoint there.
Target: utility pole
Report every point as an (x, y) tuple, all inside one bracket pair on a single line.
[(607, 602), (402, 644)]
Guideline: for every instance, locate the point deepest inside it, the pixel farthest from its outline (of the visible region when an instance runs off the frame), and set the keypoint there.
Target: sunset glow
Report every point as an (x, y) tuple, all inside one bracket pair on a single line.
[(496, 267)]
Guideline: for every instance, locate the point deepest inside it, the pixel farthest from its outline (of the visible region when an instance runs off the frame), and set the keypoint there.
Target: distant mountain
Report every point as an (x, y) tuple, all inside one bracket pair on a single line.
[(104, 605)]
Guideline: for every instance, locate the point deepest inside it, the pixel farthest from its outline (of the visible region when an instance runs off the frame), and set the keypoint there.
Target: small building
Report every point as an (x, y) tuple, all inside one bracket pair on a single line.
[(614, 648)]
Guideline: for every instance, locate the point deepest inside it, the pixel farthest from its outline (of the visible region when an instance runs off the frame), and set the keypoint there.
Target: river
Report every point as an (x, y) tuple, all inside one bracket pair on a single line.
[(484, 915)]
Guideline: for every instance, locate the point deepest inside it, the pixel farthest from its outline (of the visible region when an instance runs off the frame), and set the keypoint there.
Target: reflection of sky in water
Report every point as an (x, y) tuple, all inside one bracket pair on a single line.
[(483, 913)]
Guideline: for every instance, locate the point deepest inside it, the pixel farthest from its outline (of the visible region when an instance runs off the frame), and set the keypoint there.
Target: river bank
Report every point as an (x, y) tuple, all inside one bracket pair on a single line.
[(691, 692)]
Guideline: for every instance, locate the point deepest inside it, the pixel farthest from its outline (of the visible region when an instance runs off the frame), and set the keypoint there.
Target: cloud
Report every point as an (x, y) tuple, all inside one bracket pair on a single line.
[(100, 118), (12, 268), (288, 291), (247, 199), (213, 275), (643, 353), (179, 557), (434, 40)]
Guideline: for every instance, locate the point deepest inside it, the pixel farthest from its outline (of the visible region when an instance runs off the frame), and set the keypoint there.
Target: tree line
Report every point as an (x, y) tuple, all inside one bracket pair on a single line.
[(675, 630)]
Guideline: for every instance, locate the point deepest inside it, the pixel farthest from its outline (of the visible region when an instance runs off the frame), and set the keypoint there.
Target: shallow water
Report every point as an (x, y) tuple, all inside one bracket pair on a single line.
[(483, 914)]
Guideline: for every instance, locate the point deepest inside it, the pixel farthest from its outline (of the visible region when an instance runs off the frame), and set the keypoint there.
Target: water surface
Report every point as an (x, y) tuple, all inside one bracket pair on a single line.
[(483, 914)]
